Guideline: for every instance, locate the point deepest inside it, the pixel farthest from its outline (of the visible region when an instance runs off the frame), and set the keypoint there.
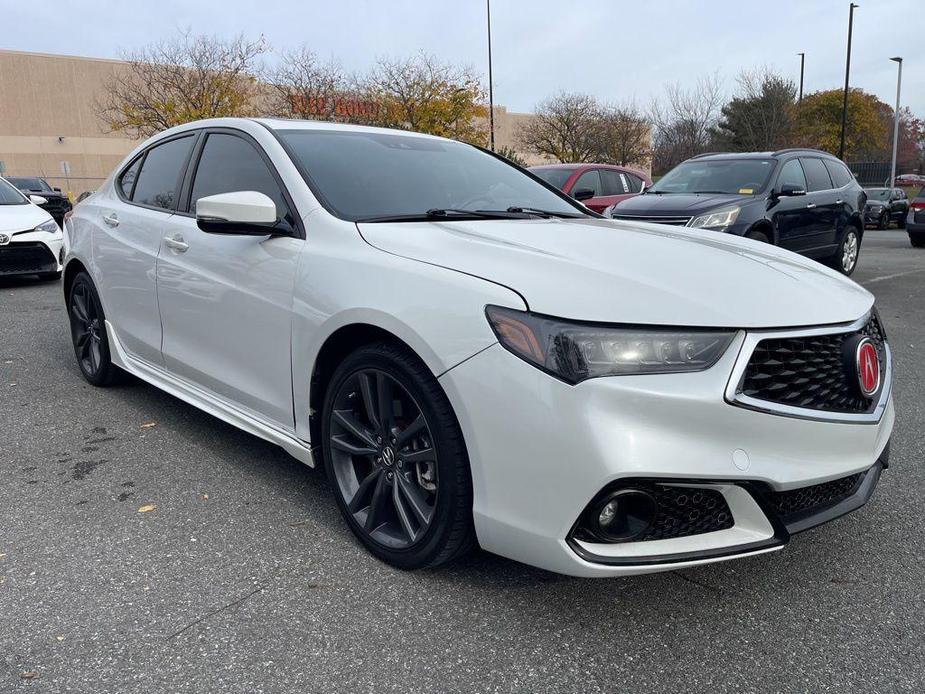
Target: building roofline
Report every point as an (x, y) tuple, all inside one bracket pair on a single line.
[(35, 54)]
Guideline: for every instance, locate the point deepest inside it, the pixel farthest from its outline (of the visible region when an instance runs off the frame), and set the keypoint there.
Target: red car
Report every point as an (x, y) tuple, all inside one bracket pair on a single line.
[(598, 186)]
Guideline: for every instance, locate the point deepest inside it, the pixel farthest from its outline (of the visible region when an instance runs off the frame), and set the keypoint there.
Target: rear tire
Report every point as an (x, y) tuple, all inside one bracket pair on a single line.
[(846, 257), (88, 333), (396, 459), (917, 240)]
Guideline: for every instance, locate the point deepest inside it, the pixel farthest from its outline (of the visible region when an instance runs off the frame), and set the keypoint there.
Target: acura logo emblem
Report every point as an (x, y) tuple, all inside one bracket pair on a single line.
[(868, 367), (4, 239)]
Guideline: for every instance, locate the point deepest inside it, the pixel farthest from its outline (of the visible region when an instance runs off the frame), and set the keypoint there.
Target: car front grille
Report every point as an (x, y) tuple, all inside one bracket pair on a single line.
[(791, 505), (674, 221), (810, 371), (25, 258), (684, 511)]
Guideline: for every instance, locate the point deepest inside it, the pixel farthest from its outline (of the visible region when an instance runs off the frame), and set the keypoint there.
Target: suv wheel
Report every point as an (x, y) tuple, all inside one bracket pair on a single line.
[(758, 236), (845, 259), (883, 221), (395, 455), (88, 332)]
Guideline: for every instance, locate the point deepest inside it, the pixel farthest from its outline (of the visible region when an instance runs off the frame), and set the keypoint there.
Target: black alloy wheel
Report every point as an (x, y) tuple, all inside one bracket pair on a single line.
[(88, 332), (394, 453)]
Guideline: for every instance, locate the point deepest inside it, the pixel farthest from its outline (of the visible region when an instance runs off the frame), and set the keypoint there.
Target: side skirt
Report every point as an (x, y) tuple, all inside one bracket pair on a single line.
[(158, 377)]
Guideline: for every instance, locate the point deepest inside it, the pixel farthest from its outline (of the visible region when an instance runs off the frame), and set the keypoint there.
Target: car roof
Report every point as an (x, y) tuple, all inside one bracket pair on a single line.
[(718, 156)]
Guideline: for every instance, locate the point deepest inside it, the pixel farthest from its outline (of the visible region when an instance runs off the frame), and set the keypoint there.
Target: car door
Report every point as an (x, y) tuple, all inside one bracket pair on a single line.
[(129, 222), (590, 180), (790, 214), (226, 300), (826, 207)]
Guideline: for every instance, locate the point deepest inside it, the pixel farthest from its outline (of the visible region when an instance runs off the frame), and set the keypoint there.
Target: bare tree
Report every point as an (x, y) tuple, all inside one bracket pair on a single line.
[(566, 128), (301, 86), (682, 122), (625, 135), (179, 80), (420, 93)]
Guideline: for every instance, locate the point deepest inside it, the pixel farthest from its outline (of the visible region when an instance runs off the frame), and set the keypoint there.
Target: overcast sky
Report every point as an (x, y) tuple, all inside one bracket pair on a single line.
[(615, 50)]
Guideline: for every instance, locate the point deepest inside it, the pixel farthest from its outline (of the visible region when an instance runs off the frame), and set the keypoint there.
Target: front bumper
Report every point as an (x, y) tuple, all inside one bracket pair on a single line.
[(541, 450), (32, 253), (872, 216)]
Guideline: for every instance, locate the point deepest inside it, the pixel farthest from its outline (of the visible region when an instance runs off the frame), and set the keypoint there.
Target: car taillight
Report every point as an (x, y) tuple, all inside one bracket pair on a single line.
[(918, 205)]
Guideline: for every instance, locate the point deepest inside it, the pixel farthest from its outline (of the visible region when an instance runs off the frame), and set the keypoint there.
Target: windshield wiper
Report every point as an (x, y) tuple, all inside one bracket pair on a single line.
[(442, 213), (543, 213)]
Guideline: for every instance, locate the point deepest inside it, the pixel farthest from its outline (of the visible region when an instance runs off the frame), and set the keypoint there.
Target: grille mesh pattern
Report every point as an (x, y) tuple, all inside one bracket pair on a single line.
[(809, 371), (807, 500), (684, 511), (21, 258)]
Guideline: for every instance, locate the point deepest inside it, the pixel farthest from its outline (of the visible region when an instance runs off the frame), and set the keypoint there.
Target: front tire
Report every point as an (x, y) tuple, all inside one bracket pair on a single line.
[(883, 221), (758, 236), (88, 332), (395, 456)]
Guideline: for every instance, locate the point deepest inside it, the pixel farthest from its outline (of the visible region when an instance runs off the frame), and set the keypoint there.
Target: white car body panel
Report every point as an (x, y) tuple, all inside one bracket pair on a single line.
[(244, 319), (18, 221)]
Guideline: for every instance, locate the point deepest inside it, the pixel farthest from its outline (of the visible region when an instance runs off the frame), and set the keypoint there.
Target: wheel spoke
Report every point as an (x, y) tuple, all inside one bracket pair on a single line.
[(363, 491), (342, 444), (79, 305), (402, 513), (348, 421), (412, 430), (95, 354), (83, 344), (385, 394), (376, 504), (423, 455), (369, 401), (415, 500)]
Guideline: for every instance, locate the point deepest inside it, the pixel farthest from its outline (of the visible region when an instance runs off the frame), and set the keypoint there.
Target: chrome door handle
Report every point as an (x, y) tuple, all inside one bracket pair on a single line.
[(810, 205), (112, 219), (838, 202), (176, 243)]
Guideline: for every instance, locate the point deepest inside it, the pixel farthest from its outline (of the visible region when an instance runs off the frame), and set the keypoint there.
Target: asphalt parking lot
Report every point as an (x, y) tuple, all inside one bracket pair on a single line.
[(243, 578)]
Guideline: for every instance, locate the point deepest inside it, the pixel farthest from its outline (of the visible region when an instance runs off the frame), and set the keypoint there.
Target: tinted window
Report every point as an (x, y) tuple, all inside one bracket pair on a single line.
[(613, 182), (733, 176), (9, 195), (635, 183), (817, 178), (228, 164), (160, 173), (838, 172), (367, 174), (24, 183), (792, 175), (589, 180), (554, 177), (127, 180)]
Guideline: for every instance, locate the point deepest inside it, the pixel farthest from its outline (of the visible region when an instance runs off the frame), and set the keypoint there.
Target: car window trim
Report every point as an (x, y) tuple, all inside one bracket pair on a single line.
[(193, 168), (144, 155)]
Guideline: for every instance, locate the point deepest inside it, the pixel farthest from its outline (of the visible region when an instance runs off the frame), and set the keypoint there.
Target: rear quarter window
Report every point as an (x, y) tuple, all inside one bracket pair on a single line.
[(840, 174)]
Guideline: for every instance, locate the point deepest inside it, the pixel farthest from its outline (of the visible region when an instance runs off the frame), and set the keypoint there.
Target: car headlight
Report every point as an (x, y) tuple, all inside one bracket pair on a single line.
[(716, 220), (575, 352), (51, 226)]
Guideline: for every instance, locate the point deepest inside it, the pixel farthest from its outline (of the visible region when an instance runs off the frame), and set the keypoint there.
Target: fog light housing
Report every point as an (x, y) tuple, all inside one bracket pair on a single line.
[(623, 515)]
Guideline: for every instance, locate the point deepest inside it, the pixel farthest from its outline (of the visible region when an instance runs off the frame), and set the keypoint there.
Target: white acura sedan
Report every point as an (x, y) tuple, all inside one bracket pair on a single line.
[(476, 358), (30, 240)]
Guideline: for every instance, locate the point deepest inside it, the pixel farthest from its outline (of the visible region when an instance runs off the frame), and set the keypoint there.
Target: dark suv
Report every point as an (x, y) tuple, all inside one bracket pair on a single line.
[(885, 205), (801, 199), (58, 204)]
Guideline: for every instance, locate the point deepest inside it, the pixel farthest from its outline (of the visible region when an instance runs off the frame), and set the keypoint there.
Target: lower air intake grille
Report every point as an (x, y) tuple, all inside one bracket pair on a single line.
[(809, 500), (23, 258)]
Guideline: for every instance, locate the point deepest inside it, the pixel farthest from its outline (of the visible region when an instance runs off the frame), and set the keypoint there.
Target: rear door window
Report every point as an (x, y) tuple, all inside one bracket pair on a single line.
[(839, 173), (589, 180), (159, 179), (817, 177), (613, 183)]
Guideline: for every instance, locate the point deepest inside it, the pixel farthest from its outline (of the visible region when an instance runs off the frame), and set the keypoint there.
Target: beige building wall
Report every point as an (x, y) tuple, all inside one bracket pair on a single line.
[(48, 116)]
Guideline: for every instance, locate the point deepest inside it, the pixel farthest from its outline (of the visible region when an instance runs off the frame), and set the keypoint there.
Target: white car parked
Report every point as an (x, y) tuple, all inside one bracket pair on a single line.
[(30, 240), (473, 356)]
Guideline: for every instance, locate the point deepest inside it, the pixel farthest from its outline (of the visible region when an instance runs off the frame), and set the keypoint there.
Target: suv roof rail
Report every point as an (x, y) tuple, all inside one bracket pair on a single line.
[(708, 154), (801, 149)]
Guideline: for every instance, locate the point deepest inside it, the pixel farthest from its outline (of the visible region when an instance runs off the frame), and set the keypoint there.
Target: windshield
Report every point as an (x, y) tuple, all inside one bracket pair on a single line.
[(554, 177), (878, 193), (732, 176), (364, 176), (10, 196), (29, 183)]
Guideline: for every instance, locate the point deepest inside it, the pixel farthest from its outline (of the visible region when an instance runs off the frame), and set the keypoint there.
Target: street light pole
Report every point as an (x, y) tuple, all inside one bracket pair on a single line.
[(491, 95), (899, 82), (802, 63), (844, 107)]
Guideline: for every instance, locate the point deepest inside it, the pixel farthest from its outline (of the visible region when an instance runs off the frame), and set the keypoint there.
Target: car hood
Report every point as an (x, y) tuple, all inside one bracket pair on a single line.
[(623, 272), (672, 204), (21, 217)]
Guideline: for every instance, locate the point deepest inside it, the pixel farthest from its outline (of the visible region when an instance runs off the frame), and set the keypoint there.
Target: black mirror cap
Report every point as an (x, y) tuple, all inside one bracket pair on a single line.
[(788, 191), (280, 227), (583, 194)]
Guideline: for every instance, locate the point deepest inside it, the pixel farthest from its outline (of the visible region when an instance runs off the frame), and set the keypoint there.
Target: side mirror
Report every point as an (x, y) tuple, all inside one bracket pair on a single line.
[(57, 190), (788, 191), (583, 194), (38, 200), (244, 212)]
